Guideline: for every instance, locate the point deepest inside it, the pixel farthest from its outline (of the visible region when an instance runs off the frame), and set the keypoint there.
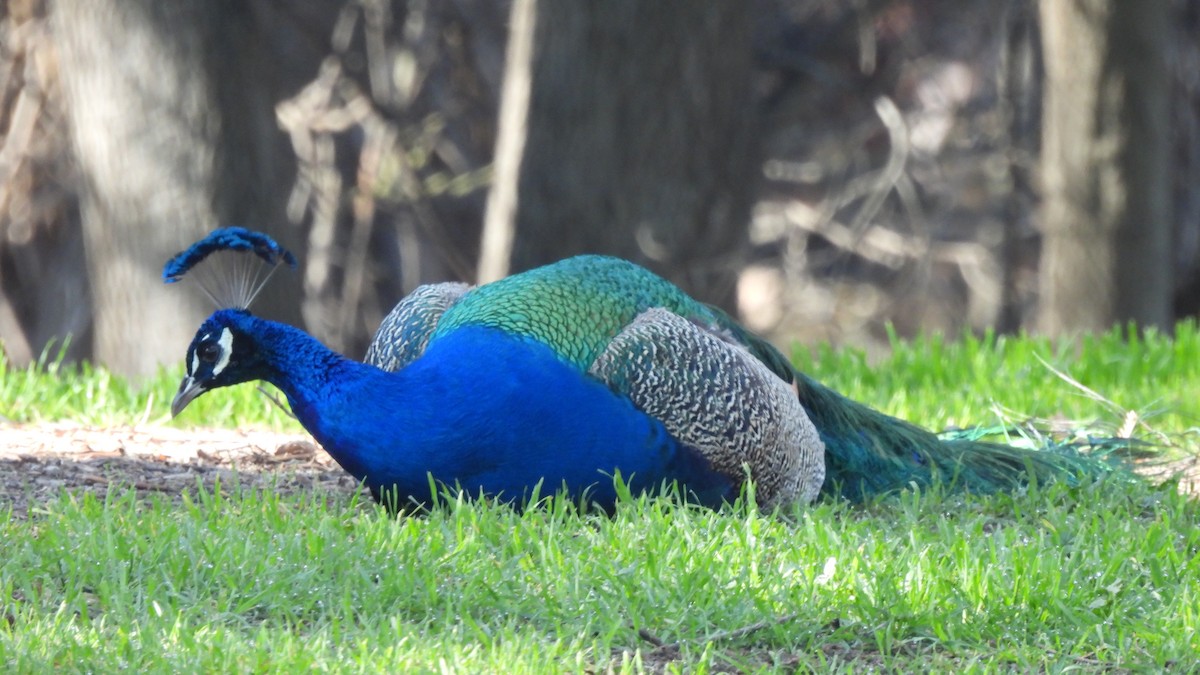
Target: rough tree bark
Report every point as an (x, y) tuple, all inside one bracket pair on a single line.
[(626, 127), (171, 114), (1105, 159)]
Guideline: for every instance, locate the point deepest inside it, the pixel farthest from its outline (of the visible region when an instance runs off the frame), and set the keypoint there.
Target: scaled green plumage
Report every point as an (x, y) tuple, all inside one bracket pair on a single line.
[(576, 306)]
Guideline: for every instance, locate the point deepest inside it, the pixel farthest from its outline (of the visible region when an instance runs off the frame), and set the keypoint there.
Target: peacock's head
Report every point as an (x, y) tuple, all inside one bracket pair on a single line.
[(223, 353)]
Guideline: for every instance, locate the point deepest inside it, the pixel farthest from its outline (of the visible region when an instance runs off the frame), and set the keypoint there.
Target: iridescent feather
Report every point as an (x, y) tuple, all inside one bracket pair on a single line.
[(233, 278)]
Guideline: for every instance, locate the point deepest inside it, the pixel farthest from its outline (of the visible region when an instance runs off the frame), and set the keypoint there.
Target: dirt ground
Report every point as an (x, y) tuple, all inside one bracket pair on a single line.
[(38, 461)]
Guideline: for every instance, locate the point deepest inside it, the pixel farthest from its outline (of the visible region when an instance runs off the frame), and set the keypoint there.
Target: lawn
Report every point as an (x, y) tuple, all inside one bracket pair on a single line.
[(236, 578)]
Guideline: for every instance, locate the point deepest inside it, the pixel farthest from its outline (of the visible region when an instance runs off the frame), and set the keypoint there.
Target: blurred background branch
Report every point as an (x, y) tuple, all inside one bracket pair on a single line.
[(823, 168)]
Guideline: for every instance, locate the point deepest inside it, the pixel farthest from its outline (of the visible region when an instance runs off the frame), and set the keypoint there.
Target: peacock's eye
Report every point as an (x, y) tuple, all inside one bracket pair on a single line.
[(209, 352)]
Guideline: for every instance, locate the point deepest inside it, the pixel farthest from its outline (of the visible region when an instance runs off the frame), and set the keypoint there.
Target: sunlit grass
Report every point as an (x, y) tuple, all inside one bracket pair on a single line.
[(993, 380), (238, 581), (1096, 577), (53, 391)]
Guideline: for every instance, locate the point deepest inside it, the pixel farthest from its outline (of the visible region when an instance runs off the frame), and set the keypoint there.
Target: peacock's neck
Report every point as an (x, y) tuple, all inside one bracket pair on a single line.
[(306, 371), (481, 409)]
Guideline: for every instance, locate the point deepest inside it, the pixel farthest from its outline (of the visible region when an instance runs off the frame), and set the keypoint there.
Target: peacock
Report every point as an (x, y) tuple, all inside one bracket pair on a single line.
[(591, 375)]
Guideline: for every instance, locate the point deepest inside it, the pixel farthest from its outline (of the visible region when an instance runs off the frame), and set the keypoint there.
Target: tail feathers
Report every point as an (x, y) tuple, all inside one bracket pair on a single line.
[(868, 453)]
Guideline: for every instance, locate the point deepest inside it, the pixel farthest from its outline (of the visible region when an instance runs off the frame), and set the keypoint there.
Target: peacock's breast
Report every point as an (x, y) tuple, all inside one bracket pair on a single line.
[(496, 414)]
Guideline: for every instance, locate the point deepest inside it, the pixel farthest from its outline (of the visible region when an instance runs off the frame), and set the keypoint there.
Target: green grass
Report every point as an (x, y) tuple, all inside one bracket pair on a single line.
[(51, 391), (1102, 576), (941, 383)]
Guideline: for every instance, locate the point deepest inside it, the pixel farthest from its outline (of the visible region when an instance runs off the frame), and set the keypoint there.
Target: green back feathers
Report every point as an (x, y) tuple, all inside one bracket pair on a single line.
[(576, 306)]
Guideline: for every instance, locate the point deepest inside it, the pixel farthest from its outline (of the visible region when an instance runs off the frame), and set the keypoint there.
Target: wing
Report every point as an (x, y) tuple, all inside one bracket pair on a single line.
[(718, 398), (405, 331)]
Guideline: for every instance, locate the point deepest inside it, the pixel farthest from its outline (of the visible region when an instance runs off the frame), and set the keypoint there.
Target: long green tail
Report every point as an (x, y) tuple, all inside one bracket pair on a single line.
[(868, 453)]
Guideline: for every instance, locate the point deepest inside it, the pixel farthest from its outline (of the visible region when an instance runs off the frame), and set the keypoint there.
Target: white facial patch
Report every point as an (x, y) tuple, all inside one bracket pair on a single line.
[(196, 357), (226, 343)]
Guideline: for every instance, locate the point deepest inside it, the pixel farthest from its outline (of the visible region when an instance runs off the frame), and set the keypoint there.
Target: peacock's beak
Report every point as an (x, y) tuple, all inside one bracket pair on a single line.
[(188, 390)]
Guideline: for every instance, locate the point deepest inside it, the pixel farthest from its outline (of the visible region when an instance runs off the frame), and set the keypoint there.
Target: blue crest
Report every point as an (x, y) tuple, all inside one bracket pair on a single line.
[(238, 285)]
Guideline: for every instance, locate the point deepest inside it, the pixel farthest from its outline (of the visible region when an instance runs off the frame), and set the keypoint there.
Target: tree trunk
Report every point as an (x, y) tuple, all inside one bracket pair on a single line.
[(170, 107), (626, 128), (144, 129), (1106, 212)]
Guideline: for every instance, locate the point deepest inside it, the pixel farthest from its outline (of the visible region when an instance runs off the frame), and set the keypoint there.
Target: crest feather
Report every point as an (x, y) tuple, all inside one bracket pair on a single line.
[(232, 279)]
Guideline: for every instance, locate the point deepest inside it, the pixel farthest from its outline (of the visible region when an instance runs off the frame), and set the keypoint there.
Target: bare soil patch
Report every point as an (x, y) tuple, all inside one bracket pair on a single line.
[(38, 462)]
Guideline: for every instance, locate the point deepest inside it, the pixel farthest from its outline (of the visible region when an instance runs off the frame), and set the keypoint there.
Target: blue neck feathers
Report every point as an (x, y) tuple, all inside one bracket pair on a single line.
[(483, 410)]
